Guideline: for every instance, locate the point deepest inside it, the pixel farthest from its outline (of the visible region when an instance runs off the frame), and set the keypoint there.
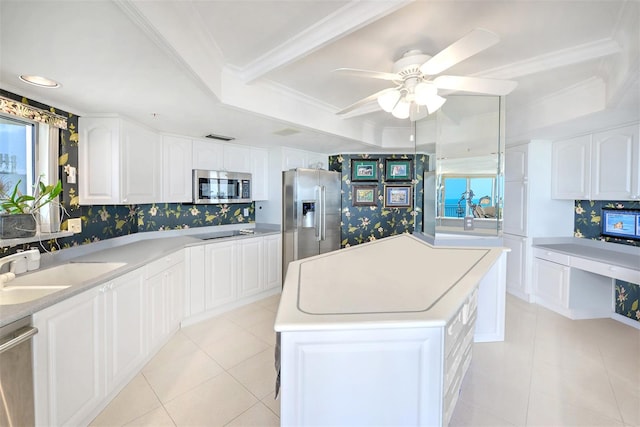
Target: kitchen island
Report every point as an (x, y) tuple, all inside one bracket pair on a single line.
[(381, 333)]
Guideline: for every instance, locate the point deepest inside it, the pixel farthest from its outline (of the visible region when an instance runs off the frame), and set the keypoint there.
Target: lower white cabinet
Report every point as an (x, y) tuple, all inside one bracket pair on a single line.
[(90, 346), (226, 273), (165, 285), (518, 266), (551, 283)]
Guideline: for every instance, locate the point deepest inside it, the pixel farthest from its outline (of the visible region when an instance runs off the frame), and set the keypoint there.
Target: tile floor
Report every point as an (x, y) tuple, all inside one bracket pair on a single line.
[(549, 371)]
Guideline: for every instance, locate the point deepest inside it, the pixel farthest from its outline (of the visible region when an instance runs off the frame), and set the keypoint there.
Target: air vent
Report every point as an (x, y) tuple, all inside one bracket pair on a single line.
[(286, 132), (220, 137)]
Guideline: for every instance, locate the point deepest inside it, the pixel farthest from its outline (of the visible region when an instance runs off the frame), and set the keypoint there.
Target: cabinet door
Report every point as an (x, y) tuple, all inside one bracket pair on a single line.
[(140, 160), (220, 274), (176, 169), (273, 261), (570, 168), (237, 159), (98, 161), (69, 359), (207, 155), (125, 328), (614, 173), (515, 207), (251, 270), (551, 282), (516, 265), (259, 174), (176, 296), (515, 163)]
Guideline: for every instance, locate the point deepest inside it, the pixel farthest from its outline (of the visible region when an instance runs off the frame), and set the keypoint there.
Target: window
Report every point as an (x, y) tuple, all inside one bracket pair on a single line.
[(460, 195), (17, 162)]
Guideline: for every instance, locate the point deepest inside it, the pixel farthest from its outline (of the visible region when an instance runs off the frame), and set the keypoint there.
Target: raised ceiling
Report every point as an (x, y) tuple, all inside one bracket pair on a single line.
[(256, 70)]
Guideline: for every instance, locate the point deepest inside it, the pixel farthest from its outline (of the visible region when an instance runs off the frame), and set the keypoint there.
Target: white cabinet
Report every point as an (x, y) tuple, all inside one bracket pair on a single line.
[(88, 346), (69, 359), (220, 273), (272, 261), (119, 162), (529, 211), (599, 166), (166, 297), (259, 174), (207, 155), (230, 272), (177, 161), (237, 158), (551, 283)]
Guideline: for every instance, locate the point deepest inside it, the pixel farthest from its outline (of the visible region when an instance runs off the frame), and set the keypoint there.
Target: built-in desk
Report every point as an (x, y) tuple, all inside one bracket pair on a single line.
[(575, 277)]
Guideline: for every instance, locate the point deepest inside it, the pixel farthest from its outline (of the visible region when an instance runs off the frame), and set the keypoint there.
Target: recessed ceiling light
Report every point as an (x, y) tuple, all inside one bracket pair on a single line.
[(39, 81)]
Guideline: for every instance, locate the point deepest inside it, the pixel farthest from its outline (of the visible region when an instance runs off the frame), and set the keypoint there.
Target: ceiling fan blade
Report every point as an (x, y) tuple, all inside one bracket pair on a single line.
[(364, 101), (475, 41), (367, 73), (475, 84)]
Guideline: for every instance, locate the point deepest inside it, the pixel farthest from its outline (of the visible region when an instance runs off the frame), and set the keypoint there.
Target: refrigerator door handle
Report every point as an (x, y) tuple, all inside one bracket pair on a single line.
[(317, 221), (323, 223)]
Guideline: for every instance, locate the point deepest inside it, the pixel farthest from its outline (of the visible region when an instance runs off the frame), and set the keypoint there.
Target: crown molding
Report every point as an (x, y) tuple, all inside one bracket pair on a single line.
[(351, 17), (559, 58)]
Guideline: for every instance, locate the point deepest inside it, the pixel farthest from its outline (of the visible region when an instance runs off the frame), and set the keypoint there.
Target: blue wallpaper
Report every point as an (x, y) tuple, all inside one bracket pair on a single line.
[(587, 226)]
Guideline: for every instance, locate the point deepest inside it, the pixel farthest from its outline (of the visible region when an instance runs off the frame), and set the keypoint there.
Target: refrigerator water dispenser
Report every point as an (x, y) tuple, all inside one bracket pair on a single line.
[(308, 214)]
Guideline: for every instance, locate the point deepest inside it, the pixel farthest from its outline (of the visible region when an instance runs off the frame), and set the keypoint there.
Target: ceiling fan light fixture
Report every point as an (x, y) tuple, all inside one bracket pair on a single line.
[(388, 100), (402, 109), (424, 92), (434, 103)]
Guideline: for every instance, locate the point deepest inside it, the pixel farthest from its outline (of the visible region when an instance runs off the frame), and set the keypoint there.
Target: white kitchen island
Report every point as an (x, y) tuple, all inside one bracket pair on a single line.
[(381, 333)]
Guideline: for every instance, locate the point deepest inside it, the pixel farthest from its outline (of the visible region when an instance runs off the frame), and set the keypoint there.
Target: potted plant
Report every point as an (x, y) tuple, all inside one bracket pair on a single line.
[(18, 211)]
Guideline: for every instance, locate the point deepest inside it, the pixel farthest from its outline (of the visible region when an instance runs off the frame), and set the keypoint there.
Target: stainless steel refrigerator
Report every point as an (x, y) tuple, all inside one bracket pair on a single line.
[(310, 213)]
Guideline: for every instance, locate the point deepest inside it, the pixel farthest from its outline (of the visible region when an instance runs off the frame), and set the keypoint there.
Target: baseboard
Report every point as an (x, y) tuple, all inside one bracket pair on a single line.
[(626, 320)]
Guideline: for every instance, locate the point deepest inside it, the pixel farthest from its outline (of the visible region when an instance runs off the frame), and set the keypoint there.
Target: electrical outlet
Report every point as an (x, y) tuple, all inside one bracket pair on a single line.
[(74, 225), (246, 212)]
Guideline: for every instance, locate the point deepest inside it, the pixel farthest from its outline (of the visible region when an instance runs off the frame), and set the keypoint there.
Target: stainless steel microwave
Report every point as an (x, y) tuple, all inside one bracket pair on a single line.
[(221, 187)]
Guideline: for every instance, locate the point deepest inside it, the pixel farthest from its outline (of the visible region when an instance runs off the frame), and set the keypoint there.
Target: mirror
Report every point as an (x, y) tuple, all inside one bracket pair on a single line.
[(463, 182)]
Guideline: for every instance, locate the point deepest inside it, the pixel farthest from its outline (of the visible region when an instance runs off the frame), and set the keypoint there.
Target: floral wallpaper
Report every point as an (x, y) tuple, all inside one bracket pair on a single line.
[(105, 222), (367, 223), (587, 226)]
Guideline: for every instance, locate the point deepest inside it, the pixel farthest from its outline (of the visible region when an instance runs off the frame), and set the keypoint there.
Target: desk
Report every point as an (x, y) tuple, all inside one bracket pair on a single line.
[(575, 277)]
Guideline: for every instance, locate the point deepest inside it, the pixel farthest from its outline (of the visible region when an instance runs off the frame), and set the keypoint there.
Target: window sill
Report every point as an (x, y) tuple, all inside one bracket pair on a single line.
[(37, 238)]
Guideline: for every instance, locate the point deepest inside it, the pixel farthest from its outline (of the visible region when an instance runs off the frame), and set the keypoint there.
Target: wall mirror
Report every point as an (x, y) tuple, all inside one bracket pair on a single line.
[(463, 184)]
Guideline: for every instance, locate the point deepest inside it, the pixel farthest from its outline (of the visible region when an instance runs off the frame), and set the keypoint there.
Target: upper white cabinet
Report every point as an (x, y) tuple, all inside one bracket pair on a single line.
[(598, 166), (207, 155), (259, 174), (119, 162), (176, 169), (236, 158)]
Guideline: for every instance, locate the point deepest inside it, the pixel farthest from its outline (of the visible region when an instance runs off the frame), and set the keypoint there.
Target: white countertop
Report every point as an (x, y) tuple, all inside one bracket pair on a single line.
[(610, 253), (136, 250), (379, 284)]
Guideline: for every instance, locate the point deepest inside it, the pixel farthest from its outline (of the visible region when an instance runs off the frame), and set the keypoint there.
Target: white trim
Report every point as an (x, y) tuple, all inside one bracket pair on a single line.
[(626, 320)]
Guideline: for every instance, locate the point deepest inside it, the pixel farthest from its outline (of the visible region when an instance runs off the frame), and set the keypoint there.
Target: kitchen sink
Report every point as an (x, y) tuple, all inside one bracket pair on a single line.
[(34, 285)]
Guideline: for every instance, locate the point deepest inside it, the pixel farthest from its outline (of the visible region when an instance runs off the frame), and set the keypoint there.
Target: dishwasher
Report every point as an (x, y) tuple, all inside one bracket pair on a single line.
[(16, 374)]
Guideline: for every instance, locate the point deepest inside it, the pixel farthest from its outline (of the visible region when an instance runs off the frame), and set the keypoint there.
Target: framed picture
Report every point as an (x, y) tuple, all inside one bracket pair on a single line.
[(397, 170), (397, 196), (364, 195), (364, 170)]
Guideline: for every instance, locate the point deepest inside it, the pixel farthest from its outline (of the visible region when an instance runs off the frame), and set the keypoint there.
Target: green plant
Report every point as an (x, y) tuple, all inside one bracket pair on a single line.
[(18, 203)]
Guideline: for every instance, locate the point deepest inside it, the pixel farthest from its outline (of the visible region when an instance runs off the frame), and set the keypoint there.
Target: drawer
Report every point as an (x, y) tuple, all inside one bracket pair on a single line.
[(458, 326), (606, 270), (552, 256), (167, 261), (457, 356)]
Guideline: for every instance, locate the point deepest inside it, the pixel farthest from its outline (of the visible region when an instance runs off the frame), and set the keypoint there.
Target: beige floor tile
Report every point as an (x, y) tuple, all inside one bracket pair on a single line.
[(466, 415), (546, 410), (256, 416), (180, 345), (264, 331), (257, 374), (234, 349), (156, 418), (211, 330), (271, 303), (250, 315), (214, 403), (272, 404), (181, 375), (135, 399), (627, 393)]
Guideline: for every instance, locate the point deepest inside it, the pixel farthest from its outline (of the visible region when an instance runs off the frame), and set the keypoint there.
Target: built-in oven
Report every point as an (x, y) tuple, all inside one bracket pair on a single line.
[(221, 187)]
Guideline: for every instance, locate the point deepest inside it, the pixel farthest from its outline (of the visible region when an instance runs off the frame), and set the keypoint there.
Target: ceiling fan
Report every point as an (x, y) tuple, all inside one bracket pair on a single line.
[(416, 85)]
